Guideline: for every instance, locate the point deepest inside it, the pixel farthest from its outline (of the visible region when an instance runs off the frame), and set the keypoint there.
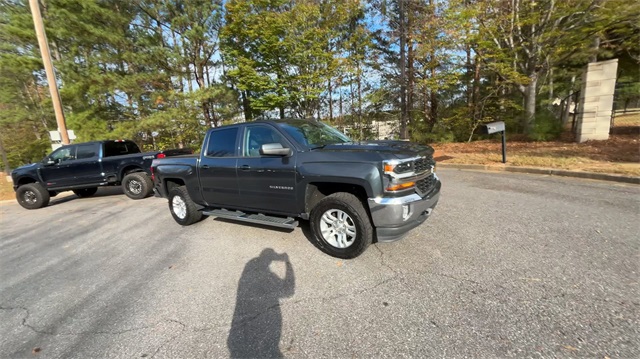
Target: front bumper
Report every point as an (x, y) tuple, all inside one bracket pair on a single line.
[(393, 217)]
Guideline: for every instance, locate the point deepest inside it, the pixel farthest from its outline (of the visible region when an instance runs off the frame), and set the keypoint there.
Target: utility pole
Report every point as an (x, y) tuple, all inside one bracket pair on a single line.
[(48, 68)]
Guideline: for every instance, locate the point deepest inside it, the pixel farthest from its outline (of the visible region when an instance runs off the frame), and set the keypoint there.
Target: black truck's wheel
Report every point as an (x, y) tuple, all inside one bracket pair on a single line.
[(183, 209), (341, 226), (137, 185), (32, 196), (85, 192)]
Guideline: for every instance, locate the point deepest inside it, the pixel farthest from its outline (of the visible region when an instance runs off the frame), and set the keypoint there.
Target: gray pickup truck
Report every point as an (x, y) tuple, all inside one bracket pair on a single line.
[(275, 172)]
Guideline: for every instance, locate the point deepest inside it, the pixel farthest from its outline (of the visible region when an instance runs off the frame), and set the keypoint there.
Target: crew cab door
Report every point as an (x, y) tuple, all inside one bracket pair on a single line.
[(86, 167), (72, 166), (217, 168), (56, 170), (267, 183)]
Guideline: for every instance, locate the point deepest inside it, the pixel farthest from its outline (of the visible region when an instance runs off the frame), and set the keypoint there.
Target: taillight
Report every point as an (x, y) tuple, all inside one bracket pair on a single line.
[(161, 155), (153, 176)]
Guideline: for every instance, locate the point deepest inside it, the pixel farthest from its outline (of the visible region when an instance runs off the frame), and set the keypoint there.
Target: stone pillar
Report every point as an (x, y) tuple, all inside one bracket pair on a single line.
[(596, 101)]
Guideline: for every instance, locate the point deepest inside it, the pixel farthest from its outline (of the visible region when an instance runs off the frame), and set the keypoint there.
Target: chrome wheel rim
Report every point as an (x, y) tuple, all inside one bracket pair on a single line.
[(134, 187), (179, 207), (338, 228), (30, 197)]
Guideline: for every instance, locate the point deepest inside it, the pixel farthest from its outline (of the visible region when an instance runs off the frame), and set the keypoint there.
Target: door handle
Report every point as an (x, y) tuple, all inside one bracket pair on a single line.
[(245, 167), (205, 167)]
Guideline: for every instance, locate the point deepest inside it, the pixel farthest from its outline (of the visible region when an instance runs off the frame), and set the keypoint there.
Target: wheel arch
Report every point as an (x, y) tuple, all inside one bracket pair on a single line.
[(130, 169), (170, 183), (316, 191), (25, 180)]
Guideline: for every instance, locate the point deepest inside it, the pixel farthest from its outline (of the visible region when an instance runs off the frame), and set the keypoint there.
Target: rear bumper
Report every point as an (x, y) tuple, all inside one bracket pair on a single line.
[(394, 217)]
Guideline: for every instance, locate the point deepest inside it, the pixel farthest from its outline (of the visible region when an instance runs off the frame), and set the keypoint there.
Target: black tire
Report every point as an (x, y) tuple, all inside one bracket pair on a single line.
[(137, 185), (182, 208), (356, 218), (85, 192), (32, 196)]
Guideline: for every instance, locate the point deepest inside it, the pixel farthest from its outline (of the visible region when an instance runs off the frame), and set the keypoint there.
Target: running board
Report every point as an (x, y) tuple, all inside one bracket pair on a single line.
[(289, 223)]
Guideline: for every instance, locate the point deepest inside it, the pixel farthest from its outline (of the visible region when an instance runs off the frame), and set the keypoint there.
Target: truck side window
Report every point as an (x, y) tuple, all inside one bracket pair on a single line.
[(63, 154), (85, 151), (222, 143), (117, 148), (256, 136)]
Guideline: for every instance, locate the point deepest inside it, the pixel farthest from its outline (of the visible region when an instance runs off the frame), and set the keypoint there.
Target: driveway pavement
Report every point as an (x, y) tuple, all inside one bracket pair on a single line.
[(509, 265)]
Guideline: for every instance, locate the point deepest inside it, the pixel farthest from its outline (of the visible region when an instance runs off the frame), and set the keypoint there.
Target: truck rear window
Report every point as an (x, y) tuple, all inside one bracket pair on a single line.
[(119, 148)]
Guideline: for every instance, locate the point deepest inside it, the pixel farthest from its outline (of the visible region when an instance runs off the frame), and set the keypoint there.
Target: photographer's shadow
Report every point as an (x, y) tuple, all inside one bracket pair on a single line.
[(257, 320)]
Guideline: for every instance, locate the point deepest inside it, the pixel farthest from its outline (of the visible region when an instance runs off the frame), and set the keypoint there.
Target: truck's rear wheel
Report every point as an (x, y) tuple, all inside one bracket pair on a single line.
[(183, 209), (341, 226), (85, 192), (137, 185), (32, 196)]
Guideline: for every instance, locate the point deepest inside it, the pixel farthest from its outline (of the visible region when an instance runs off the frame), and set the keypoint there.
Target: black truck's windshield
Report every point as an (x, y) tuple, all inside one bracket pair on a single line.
[(313, 134)]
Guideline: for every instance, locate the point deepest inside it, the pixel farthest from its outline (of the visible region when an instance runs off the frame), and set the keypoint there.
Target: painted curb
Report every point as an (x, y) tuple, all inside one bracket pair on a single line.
[(543, 171)]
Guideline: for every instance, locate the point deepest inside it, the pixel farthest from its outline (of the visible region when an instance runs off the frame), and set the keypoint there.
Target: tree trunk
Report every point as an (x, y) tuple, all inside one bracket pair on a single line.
[(567, 108), (475, 96), (200, 79), (360, 103), (410, 72), (530, 103), (5, 161), (246, 107), (595, 47), (330, 101), (551, 84), (433, 111), (340, 108)]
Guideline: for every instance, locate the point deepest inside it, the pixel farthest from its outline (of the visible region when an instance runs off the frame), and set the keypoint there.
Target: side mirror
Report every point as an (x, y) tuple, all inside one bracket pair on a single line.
[(48, 162), (274, 149)]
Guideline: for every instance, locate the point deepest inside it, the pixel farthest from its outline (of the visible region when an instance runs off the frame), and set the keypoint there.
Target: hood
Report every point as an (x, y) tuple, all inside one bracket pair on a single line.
[(26, 166), (400, 149), (30, 168)]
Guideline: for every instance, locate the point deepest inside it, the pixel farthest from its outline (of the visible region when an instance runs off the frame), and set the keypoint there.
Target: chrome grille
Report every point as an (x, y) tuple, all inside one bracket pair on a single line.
[(421, 164), (425, 185)]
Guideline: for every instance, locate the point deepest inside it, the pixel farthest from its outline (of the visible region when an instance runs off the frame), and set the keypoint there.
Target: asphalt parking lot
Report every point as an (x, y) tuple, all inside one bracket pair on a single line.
[(509, 265)]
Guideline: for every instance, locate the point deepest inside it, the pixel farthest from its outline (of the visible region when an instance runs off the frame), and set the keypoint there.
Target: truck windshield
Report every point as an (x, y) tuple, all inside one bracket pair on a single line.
[(313, 134)]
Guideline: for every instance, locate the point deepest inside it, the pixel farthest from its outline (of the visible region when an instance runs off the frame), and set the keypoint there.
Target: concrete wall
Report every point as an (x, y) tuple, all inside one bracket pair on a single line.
[(596, 101)]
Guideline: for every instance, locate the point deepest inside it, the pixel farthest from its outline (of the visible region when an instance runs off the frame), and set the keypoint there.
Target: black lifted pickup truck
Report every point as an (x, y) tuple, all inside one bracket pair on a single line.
[(272, 172), (84, 167)]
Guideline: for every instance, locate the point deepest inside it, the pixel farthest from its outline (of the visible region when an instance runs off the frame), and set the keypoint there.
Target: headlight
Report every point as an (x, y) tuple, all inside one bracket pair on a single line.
[(395, 171), (393, 187), (398, 167)]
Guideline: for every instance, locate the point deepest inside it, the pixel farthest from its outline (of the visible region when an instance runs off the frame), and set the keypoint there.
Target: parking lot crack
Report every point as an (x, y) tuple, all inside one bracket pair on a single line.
[(24, 319), (383, 261), (183, 327), (27, 314), (456, 278)]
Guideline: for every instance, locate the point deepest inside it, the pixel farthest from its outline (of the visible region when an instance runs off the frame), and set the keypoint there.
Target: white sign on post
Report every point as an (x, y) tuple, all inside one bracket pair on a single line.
[(56, 138)]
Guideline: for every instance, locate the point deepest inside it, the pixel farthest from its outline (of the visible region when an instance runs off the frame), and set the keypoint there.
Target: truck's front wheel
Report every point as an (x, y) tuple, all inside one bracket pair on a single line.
[(32, 196), (341, 225), (137, 185), (183, 209)]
